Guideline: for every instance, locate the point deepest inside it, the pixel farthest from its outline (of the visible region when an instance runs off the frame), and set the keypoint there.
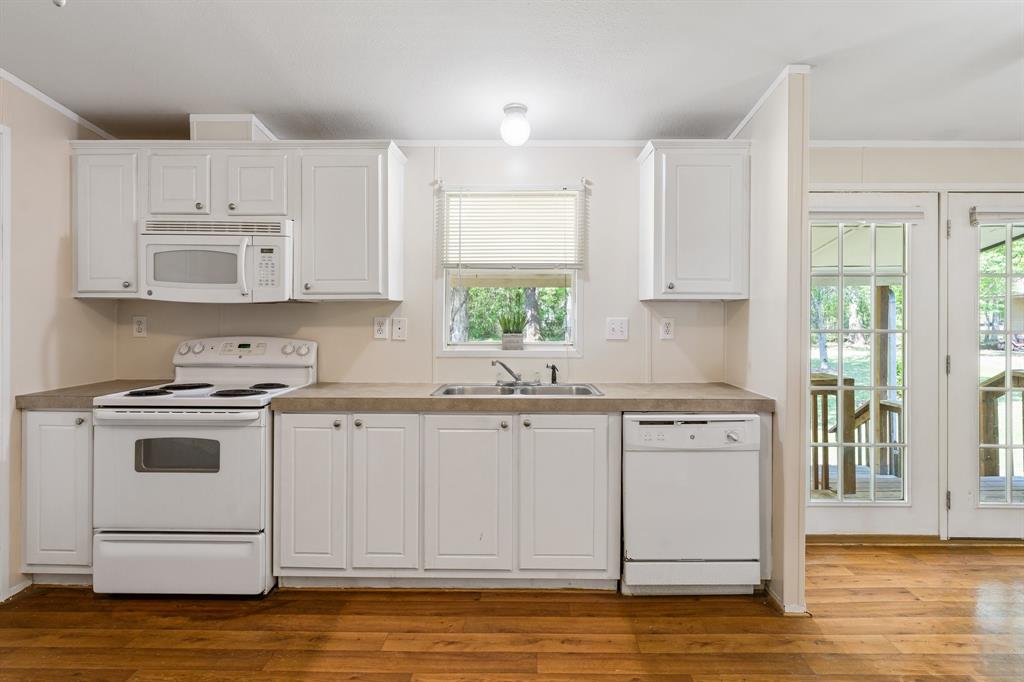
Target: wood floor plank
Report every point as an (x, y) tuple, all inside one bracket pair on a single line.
[(772, 644), (260, 640), (918, 664), (400, 661), (512, 642), (153, 659), (959, 644), (691, 664)]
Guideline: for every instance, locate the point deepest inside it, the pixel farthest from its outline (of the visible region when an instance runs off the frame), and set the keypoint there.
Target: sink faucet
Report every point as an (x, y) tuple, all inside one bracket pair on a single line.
[(516, 378), (554, 373)]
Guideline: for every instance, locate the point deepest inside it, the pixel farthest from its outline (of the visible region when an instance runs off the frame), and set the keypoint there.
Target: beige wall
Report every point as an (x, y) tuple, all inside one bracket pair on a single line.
[(55, 339), (980, 167), (347, 351), (763, 334)]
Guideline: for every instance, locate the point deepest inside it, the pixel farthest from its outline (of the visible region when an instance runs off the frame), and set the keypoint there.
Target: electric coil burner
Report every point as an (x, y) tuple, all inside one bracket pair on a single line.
[(147, 392), (187, 387), (269, 386), (236, 393)]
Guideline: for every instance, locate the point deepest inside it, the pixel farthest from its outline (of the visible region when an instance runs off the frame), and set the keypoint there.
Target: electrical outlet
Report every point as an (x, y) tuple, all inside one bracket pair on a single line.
[(616, 328), (140, 326), (666, 328), (399, 328), (380, 328)]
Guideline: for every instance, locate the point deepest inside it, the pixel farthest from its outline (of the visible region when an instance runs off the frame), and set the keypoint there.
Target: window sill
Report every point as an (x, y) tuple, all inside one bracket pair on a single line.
[(496, 352)]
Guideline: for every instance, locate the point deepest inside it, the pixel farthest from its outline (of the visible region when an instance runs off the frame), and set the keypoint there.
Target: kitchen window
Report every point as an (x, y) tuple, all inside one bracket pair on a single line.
[(507, 251)]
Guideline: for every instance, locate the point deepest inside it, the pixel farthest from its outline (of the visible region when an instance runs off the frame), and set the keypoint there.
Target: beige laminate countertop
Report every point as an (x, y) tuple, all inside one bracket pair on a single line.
[(388, 397), (78, 397)]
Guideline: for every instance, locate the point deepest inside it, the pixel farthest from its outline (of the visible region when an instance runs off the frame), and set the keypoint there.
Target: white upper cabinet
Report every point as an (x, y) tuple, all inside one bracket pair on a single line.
[(351, 228), (104, 220), (257, 184), (694, 220), (179, 184)]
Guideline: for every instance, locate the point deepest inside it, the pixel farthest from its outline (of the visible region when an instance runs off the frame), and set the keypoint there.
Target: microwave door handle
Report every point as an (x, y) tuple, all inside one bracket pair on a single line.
[(242, 247)]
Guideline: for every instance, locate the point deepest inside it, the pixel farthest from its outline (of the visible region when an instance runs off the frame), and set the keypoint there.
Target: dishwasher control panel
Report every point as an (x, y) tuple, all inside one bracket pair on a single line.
[(654, 431)]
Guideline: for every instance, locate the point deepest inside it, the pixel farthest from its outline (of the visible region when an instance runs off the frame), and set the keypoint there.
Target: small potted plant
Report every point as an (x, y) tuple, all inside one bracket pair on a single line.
[(512, 323)]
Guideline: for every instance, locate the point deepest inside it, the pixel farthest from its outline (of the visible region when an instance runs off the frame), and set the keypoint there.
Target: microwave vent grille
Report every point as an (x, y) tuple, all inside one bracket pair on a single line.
[(267, 227)]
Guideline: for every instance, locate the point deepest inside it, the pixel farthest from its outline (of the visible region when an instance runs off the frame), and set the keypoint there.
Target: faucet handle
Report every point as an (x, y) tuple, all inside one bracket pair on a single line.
[(554, 372)]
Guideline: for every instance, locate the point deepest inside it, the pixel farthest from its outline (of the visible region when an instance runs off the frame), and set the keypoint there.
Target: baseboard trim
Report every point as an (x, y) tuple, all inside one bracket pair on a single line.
[(300, 582), (904, 540), (791, 612)]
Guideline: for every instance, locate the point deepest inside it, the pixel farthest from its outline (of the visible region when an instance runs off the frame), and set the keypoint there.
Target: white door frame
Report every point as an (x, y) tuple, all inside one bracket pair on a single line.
[(6, 407)]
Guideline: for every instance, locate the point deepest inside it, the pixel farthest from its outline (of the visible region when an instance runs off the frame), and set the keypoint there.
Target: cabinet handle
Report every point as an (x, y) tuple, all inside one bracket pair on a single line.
[(527, 423), (358, 423), (79, 421), (671, 285), (307, 286), (337, 423), (199, 206), (125, 284), (232, 206), (504, 424)]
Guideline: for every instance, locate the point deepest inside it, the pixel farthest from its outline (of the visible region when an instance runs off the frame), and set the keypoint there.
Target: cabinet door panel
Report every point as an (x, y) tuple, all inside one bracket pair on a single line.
[(313, 478), (257, 184), (385, 491), (58, 488), (341, 225), (179, 184), (563, 492), (468, 472), (105, 223)]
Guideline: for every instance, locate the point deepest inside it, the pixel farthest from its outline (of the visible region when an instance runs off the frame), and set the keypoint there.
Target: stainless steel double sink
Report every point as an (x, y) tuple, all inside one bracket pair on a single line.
[(491, 390)]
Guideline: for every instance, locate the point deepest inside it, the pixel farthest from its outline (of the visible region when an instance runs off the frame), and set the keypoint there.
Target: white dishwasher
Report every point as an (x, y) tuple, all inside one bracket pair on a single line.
[(691, 508)]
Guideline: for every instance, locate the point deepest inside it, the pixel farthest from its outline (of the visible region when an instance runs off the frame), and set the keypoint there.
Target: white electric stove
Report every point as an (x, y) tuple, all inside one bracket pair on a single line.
[(182, 470)]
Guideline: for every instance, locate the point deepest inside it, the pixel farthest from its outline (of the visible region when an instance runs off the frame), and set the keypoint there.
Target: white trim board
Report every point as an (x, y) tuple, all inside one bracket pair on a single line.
[(6, 406), (788, 70), (53, 104), (917, 144)]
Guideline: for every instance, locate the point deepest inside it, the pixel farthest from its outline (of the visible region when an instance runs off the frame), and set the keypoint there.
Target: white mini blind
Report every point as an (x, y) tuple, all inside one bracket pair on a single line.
[(528, 229)]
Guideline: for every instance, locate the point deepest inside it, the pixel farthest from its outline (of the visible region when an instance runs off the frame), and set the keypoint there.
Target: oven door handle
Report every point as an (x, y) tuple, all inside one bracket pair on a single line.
[(211, 417)]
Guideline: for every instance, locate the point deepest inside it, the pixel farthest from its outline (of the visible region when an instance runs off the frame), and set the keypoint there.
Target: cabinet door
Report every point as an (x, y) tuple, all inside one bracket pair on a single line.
[(105, 229), (257, 184), (179, 184), (563, 491), (385, 490), (313, 468), (341, 229), (706, 229), (467, 493), (58, 488)]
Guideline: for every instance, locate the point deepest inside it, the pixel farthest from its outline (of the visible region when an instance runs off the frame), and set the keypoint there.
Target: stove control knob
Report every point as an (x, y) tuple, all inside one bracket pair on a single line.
[(183, 349), (287, 349), (303, 350), (198, 348)]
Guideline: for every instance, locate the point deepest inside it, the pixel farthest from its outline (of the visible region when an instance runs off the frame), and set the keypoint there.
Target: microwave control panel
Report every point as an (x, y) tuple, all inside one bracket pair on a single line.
[(267, 274)]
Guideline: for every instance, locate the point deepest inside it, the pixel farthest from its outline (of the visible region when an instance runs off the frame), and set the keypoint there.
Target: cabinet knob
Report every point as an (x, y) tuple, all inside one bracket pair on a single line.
[(504, 424), (199, 206), (125, 284), (358, 423), (527, 423), (307, 286), (232, 206), (671, 285), (79, 421), (337, 423)]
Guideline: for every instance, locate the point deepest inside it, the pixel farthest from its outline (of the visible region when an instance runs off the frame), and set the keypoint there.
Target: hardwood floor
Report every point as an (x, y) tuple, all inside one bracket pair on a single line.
[(879, 613)]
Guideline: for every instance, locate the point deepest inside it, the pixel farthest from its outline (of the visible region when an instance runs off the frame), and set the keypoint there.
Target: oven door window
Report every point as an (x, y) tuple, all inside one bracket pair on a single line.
[(195, 266), (177, 455)]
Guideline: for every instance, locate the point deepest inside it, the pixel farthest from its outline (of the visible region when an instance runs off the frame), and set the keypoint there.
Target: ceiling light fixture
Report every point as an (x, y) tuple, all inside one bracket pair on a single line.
[(515, 129)]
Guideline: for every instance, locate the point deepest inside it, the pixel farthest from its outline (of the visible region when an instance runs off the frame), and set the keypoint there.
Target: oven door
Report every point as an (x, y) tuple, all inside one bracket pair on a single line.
[(181, 470), (197, 269)]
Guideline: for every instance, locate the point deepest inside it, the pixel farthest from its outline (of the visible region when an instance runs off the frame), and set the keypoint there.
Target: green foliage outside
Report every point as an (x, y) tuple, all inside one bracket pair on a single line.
[(546, 312)]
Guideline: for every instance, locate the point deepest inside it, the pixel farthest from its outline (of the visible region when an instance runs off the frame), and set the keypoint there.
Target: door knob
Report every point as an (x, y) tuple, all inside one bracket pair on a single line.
[(199, 206)]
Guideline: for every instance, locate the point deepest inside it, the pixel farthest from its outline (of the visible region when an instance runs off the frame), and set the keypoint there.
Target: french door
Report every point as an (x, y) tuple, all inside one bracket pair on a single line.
[(873, 375), (985, 425)]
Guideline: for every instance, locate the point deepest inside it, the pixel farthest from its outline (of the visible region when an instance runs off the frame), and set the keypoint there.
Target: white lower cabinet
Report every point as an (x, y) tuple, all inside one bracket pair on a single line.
[(312, 485), (467, 462), (563, 491), (57, 490)]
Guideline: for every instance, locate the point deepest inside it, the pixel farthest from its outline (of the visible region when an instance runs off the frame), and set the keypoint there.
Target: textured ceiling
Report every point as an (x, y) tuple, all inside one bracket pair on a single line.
[(939, 70)]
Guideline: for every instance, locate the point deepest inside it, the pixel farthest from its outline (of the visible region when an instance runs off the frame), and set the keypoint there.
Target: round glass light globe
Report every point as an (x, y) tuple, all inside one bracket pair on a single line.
[(515, 129)]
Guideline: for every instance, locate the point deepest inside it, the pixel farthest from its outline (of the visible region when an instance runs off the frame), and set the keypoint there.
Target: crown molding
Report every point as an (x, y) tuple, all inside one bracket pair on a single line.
[(53, 104)]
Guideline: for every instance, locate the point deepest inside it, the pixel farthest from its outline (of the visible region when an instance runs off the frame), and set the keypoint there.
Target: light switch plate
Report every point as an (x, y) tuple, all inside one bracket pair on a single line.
[(399, 328), (380, 327), (140, 326), (666, 328), (616, 328)]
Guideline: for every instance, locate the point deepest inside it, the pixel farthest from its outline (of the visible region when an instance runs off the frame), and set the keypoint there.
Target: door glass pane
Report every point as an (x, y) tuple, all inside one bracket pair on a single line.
[(177, 455), (824, 417), (1016, 406), (889, 247), (194, 266), (889, 302), (992, 360), (890, 419), (993, 475), (1017, 471), (856, 246), (824, 358), (992, 249), (824, 473), (889, 360), (824, 247), (857, 359), (824, 303), (1016, 311), (992, 424), (889, 474), (857, 473), (856, 303), (1016, 248)]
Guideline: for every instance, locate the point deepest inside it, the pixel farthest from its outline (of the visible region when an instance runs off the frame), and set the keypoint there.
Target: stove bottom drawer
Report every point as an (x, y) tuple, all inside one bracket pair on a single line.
[(169, 563)]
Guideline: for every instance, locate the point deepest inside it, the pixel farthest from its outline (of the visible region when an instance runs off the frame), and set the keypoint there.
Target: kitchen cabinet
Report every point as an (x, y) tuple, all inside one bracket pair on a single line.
[(311, 481), (467, 462), (563, 491), (257, 184), (694, 220), (351, 230), (104, 224), (179, 184), (58, 490), (385, 490)]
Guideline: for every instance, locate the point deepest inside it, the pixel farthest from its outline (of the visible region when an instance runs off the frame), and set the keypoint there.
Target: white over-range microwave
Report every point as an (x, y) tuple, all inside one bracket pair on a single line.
[(211, 261)]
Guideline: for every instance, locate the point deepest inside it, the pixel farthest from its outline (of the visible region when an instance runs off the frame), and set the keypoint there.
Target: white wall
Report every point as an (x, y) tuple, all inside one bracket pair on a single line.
[(55, 339), (764, 338), (980, 168), (347, 351)]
